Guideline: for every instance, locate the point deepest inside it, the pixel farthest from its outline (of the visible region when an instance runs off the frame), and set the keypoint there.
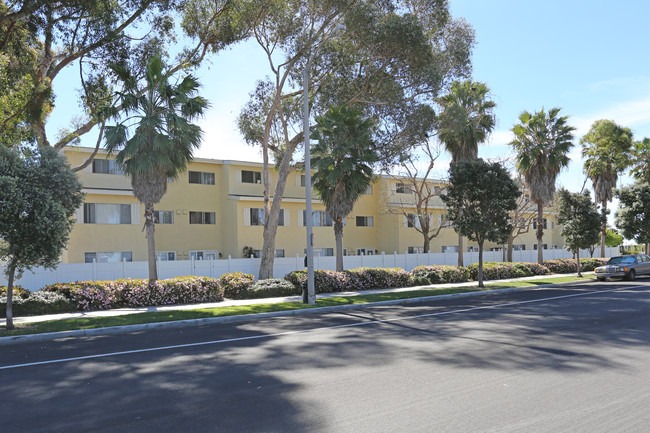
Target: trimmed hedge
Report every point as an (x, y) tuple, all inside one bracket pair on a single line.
[(568, 266), (439, 274), (501, 270), (236, 285), (272, 288), (352, 280)]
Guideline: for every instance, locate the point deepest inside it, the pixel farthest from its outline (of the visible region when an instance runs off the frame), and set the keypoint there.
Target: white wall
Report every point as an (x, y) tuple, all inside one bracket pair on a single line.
[(64, 273)]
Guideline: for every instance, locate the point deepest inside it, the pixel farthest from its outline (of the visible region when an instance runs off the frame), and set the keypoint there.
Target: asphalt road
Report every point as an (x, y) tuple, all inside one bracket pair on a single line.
[(572, 359)]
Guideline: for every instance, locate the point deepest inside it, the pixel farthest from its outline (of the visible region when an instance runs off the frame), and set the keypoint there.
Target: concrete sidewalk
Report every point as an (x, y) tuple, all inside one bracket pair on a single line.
[(228, 303)]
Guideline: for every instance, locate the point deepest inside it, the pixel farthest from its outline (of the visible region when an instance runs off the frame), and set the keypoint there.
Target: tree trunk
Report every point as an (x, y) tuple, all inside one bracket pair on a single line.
[(540, 232), (578, 261), (150, 229), (427, 243), (460, 250), (338, 236), (480, 264), (10, 296), (511, 241), (272, 218), (603, 233)]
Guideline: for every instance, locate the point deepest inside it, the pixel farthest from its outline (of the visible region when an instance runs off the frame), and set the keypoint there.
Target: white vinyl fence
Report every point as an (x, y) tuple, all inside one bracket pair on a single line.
[(65, 273)]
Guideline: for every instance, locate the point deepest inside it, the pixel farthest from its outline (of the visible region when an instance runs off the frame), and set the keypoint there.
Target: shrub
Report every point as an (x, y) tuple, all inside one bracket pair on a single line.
[(561, 266), (375, 278), (37, 303), (439, 274), (236, 285), (16, 290), (499, 270), (531, 268), (592, 263), (273, 287), (324, 281)]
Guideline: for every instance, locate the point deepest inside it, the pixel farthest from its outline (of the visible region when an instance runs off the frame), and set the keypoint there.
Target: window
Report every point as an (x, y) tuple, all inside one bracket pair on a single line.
[(319, 219), (368, 190), (202, 177), (255, 217), (365, 251), (248, 176), (472, 249), (415, 250), (413, 220), (544, 246), (103, 213), (302, 180), (402, 188), (279, 253), (535, 224), (450, 249), (109, 257), (106, 166), (496, 249), (166, 256), (519, 247), (164, 216), (204, 254), (202, 218), (364, 221)]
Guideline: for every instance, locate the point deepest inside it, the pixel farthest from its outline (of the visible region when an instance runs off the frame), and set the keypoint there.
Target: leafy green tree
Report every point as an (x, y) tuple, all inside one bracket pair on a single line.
[(479, 198), (89, 35), (633, 214), (164, 138), (542, 143), (580, 221), (606, 149), (466, 120), (343, 159), (38, 198), (641, 160), (388, 59), (613, 238)]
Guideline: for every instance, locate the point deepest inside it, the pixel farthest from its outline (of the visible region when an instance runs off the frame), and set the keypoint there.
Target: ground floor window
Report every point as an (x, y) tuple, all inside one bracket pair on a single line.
[(365, 251), (108, 257), (166, 256), (204, 254), (544, 246), (415, 250), (450, 248)]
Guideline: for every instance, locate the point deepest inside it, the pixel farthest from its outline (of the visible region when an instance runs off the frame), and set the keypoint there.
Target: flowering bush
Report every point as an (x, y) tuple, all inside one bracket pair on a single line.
[(236, 285), (529, 268), (37, 303), (376, 278), (498, 270), (438, 274), (273, 287), (561, 266), (17, 291)]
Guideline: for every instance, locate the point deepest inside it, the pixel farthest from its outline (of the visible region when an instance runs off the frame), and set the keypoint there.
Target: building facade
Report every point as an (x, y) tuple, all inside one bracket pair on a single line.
[(215, 209)]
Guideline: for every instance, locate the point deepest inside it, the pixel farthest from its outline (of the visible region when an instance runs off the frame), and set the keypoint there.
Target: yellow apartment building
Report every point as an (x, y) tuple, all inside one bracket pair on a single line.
[(215, 209)]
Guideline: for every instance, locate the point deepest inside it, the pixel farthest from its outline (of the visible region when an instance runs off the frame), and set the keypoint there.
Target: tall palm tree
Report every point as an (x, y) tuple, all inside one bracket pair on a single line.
[(343, 161), (466, 119), (164, 138), (606, 149), (542, 143)]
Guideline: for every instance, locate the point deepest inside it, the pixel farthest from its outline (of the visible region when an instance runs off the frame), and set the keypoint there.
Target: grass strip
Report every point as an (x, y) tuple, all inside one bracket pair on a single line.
[(168, 316)]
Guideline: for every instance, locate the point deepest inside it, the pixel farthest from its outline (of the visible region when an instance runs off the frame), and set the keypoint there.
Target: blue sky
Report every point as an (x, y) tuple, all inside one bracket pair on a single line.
[(590, 58)]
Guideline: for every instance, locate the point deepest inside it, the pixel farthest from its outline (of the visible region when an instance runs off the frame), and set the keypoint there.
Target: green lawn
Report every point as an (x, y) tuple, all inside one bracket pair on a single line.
[(140, 318)]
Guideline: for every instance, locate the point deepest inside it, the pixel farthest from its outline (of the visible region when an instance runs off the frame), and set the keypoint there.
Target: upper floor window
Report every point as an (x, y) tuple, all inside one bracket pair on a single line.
[(104, 213), (535, 224), (255, 217), (164, 216), (202, 177), (202, 218), (249, 176), (302, 180), (364, 221), (319, 218), (402, 188), (106, 166)]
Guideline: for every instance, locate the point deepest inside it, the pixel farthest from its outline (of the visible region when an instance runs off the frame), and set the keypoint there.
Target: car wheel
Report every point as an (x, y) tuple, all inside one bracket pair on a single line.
[(630, 275), (600, 279)]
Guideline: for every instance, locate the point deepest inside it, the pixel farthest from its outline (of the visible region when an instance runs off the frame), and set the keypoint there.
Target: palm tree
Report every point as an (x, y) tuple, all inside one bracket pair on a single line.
[(606, 149), (164, 137), (466, 119), (343, 159), (640, 162), (542, 142)]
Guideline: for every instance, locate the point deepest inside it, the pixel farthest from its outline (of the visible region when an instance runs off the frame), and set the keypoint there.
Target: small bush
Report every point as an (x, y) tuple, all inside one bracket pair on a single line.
[(376, 278), (324, 281), (17, 291), (499, 270), (590, 264), (37, 303), (439, 274), (236, 285), (274, 287), (561, 266)]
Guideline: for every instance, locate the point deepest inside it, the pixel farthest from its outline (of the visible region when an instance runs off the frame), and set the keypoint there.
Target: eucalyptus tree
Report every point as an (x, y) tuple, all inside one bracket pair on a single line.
[(387, 59), (542, 143), (53, 36), (163, 140), (35, 218), (466, 120), (641, 160), (606, 149), (580, 221), (343, 158), (633, 214)]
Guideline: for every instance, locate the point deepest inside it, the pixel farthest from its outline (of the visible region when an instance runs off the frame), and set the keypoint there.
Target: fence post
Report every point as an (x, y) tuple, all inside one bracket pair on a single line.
[(298, 261), (383, 259), (94, 269), (229, 263), (124, 267), (191, 265), (211, 267)]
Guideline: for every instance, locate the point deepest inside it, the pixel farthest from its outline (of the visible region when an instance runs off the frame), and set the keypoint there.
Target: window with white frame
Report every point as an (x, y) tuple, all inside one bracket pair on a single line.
[(166, 256), (106, 166), (519, 247), (107, 213), (413, 220), (364, 221), (415, 250), (319, 219), (201, 177), (365, 252), (301, 180), (164, 216), (202, 217), (450, 248), (108, 257), (250, 176), (255, 217), (544, 246), (402, 188), (204, 254), (535, 224), (472, 249)]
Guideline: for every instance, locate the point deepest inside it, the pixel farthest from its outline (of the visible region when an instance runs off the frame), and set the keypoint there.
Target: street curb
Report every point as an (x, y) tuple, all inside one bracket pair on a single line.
[(4, 341)]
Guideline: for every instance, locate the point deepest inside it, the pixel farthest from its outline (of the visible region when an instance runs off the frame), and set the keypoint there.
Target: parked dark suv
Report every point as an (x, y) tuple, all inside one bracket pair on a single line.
[(627, 267)]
